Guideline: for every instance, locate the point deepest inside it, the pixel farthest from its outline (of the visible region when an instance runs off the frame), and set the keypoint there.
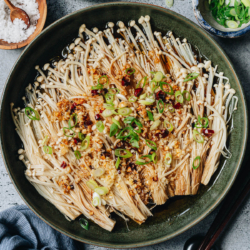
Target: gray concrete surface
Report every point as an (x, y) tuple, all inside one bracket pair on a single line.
[(236, 236)]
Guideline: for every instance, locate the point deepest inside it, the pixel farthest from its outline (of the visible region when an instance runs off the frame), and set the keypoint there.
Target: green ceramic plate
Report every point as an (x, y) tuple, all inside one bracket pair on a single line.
[(177, 215)]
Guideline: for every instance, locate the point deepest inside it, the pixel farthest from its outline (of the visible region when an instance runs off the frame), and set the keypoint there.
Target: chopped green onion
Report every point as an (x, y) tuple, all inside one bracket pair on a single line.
[(28, 112), (200, 122), (85, 143), (45, 140), (127, 155), (132, 99), (158, 76), (147, 101), (155, 125), (179, 96), (170, 108), (107, 80), (116, 122), (195, 159), (102, 190), (185, 93), (70, 130), (165, 83), (108, 112), (81, 136), (195, 134), (47, 150), (130, 71), (191, 76), (153, 85), (124, 111), (92, 184), (98, 86), (150, 115), (113, 91), (84, 223), (160, 102), (143, 96), (98, 172), (246, 3), (100, 126), (169, 3), (168, 125), (113, 129), (109, 106), (71, 119), (231, 24), (118, 163), (139, 83), (120, 136), (77, 154), (109, 98), (149, 144), (152, 158), (96, 200), (168, 158)]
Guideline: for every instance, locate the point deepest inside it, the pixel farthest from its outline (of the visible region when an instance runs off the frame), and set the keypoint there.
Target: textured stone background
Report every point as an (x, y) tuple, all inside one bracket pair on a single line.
[(236, 236)]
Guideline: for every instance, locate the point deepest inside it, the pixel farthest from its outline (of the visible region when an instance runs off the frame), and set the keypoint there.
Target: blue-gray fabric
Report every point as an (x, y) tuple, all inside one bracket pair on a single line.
[(21, 229)]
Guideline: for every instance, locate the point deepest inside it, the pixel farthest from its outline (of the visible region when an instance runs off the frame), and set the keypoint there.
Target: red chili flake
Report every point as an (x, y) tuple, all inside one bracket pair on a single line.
[(97, 117), (160, 95), (125, 82), (138, 91), (73, 107), (94, 92), (101, 110), (177, 105), (207, 132), (64, 164), (76, 140)]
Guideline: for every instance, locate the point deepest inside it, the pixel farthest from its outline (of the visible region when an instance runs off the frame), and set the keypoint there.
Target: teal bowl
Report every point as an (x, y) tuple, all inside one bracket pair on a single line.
[(178, 214)]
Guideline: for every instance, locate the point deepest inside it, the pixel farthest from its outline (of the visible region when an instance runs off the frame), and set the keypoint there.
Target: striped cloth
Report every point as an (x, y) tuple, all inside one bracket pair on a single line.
[(21, 229)]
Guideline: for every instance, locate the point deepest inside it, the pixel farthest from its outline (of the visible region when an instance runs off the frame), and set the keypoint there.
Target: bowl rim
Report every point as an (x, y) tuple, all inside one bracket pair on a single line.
[(229, 184), (208, 27)]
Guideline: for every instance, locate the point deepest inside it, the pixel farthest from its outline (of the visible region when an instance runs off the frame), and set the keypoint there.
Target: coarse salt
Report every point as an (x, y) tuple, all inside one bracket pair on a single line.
[(16, 32)]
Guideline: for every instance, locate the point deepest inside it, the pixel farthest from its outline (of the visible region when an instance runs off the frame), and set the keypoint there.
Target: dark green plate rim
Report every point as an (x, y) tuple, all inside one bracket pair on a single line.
[(241, 156)]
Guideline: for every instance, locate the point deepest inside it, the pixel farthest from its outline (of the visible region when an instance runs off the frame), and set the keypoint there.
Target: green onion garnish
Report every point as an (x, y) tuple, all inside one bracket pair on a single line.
[(160, 103), (158, 76), (168, 158), (119, 150), (197, 134), (108, 112), (130, 71), (165, 83), (113, 91), (85, 143), (107, 80), (155, 125), (191, 76), (116, 122), (32, 114), (100, 126), (113, 129), (98, 86), (70, 130), (151, 144), (84, 223), (96, 200), (186, 95), (168, 125), (124, 111), (143, 96), (153, 85), (179, 97), (195, 159), (71, 118), (150, 115), (102, 190), (130, 120), (118, 163), (81, 136), (139, 83), (77, 154), (132, 99), (109, 106), (47, 150), (45, 140), (109, 98), (200, 122), (152, 158), (170, 108), (92, 184)]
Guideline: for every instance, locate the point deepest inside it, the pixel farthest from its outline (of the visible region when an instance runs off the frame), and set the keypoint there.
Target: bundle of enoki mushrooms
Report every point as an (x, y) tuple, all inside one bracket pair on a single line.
[(130, 118)]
